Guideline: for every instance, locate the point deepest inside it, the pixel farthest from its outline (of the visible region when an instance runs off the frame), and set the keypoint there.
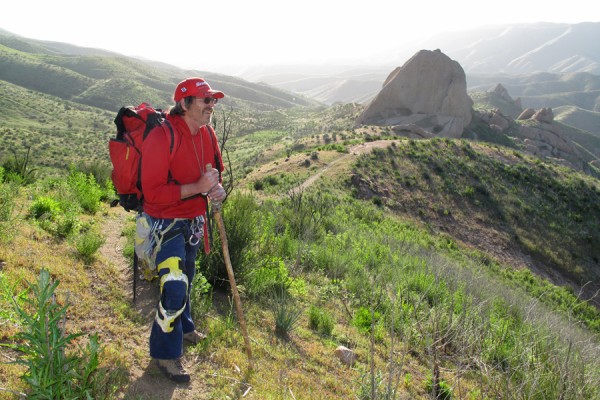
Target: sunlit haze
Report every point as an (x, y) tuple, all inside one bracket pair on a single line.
[(222, 35)]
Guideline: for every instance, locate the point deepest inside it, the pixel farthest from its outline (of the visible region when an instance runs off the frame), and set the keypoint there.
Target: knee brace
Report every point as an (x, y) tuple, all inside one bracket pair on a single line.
[(173, 293)]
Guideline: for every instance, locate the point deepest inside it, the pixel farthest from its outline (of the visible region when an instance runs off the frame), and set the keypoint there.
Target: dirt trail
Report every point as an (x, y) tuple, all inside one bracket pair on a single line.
[(146, 381), (353, 152)]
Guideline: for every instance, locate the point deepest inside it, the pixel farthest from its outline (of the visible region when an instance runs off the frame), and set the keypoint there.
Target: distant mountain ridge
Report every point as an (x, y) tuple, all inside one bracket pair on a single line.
[(493, 52), (109, 80), (524, 48)]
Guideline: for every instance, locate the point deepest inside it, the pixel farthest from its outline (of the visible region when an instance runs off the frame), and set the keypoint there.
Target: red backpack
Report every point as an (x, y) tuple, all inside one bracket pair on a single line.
[(133, 125)]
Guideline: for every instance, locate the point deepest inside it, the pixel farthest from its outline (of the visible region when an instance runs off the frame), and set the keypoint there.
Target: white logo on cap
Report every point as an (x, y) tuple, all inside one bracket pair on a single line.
[(201, 84)]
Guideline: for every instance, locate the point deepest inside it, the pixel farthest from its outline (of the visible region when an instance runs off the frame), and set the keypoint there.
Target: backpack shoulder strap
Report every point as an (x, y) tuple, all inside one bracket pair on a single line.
[(214, 140), (168, 128), (213, 137)]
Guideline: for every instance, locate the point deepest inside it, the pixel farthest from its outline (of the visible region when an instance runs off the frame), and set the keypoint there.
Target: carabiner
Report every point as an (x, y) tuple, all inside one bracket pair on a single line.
[(194, 239)]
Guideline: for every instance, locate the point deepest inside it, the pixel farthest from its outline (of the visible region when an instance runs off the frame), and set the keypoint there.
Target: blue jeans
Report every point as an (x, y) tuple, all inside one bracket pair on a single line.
[(176, 250)]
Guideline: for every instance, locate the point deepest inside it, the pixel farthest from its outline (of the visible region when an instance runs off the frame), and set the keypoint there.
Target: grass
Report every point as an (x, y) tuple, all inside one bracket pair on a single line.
[(482, 187), (424, 310), (398, 298)]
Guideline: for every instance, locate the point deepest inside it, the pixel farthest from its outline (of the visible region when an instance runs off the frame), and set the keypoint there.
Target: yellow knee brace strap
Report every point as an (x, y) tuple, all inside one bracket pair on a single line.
[(163, 317)]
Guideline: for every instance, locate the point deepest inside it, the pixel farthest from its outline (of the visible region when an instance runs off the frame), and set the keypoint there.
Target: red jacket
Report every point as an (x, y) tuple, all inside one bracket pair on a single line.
[(162, 173)]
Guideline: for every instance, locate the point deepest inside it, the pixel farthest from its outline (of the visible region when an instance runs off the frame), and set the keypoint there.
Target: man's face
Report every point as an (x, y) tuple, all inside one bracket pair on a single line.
[(202, 109)]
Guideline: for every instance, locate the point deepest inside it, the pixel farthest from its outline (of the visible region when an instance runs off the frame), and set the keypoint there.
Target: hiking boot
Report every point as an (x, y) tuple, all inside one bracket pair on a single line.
[(174, 370), (194, 337)]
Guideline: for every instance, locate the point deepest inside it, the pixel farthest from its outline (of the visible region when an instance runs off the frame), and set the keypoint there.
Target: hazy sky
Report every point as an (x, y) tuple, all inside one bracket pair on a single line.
[(210, 35)]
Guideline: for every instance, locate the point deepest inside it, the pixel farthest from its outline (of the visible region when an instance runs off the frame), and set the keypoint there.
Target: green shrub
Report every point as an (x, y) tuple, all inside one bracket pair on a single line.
[(258, 185), (44, 207), (7, 201), (201, 296), (363, 319), (320, 320), (86, 190), (370, 324), (270, 275), (101, 171), (7, 206), (64, 225), (52, 216), (443, 389), (88, 244), (240, 219)]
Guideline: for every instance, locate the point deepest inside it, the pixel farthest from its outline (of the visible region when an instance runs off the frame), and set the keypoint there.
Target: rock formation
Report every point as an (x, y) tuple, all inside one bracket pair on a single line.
[(540, 137), (428, 95), (544, 115), (526, 114)]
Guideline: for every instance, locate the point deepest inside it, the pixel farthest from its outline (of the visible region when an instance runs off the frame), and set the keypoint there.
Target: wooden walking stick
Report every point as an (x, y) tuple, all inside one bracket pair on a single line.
[(216, 210)]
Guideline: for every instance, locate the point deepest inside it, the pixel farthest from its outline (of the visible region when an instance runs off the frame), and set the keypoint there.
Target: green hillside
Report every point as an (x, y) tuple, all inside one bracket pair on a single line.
[(58, 132), (414, 254), (528, 213), (454, 269), (109, 81), (579, 118)]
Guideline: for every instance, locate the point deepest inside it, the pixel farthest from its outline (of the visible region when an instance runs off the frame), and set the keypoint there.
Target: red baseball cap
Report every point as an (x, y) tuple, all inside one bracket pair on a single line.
[(196, 87)]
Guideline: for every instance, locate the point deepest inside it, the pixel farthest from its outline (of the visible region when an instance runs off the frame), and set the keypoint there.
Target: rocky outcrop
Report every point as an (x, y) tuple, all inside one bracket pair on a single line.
[(503, 94), (427, 97), (544, 115), (526, 114), (548, 141), (539, 137), (427, 94), (495, 120)]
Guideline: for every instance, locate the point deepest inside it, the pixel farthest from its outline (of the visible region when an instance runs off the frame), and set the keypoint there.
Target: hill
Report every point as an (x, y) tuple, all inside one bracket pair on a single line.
[(108, 81), (49, 89), (521, 49), (451, 268), (394, 245), (578, 118)]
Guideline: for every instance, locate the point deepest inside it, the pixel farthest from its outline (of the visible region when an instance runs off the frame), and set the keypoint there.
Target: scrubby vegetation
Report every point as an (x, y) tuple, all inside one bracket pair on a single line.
[(356, 261), (451, 268)]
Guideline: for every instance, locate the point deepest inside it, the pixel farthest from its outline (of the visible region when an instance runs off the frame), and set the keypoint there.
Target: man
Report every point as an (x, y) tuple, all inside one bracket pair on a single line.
[(177, 185)]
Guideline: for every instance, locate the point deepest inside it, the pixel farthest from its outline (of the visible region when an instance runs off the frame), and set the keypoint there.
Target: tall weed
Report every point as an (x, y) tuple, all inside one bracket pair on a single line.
[(7, 298), (285, 310), (18, 170), (53, 369)]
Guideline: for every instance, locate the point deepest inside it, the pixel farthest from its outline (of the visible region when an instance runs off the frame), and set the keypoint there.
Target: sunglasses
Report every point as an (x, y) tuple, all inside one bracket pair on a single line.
[(208, 100)]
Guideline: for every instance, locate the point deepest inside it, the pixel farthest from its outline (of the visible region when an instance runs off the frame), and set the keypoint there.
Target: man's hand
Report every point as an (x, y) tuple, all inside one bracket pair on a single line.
[(217, 193), (208, 181)]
